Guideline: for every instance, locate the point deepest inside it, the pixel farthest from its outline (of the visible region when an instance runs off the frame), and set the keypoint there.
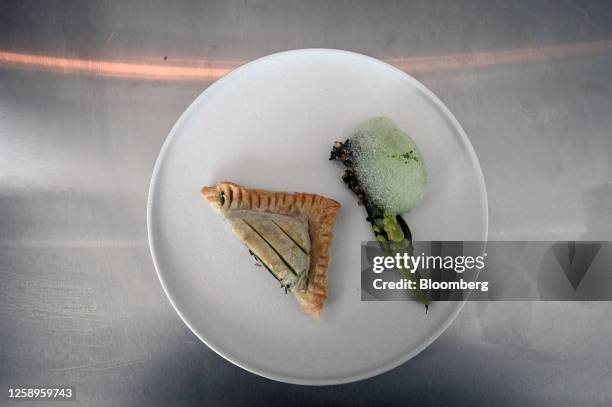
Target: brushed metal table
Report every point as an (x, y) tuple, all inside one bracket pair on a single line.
[(89, 91)]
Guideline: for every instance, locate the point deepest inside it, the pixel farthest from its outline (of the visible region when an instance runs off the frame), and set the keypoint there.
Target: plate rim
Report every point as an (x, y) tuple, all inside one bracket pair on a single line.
[(171, 136)]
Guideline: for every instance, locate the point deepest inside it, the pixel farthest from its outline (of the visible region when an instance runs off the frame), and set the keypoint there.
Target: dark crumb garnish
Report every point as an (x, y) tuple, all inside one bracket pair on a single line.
[(342, 152)]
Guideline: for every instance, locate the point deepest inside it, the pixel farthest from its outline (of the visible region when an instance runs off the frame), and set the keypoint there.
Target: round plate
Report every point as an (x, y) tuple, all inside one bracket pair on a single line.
[(271, 124)]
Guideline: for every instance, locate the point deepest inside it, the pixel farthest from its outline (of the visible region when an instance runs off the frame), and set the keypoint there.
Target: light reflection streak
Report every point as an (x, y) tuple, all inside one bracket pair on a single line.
[(111, 68), (209, 70), (493, 58)]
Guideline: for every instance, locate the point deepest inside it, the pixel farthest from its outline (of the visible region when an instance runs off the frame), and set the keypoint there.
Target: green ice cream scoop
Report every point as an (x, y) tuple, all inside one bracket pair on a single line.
[(389, 165)]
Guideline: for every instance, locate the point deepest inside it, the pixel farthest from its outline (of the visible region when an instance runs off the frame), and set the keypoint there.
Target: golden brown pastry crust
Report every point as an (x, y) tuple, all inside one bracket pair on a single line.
[(321, 213)]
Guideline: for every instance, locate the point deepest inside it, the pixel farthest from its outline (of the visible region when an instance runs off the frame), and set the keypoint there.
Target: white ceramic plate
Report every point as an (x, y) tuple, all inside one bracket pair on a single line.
[(271, 124)]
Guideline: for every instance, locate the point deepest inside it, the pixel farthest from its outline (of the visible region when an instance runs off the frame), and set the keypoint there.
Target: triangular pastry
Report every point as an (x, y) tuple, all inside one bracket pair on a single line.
[(289, 233)]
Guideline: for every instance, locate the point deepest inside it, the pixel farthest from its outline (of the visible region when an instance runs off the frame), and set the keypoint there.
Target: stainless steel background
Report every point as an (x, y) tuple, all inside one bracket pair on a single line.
[(89, 91)]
